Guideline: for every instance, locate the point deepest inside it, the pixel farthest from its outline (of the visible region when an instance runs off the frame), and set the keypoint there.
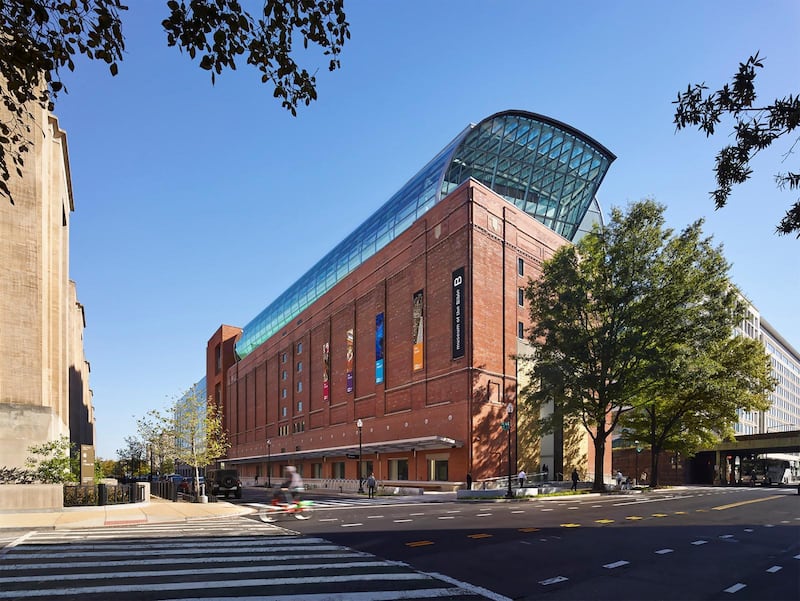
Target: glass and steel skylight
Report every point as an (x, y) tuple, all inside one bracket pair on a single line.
[(546, 168)]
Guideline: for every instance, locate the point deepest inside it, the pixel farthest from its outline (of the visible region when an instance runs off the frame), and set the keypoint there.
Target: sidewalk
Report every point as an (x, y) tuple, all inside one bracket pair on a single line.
[(154, 511)]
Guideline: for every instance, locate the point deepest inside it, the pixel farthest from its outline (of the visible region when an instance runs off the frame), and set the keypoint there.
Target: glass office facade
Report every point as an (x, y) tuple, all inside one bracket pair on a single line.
[(546, 168)]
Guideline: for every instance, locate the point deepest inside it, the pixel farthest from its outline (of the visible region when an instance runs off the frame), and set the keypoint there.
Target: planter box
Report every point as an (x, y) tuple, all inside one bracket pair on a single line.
[(31, 497)]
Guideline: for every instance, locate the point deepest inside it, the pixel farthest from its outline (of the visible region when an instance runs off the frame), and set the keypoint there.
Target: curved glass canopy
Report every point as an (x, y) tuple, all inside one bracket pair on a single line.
[(546, 168)]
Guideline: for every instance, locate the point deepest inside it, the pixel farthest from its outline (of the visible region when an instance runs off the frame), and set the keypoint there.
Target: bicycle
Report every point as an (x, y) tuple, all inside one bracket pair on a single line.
[(299, 509)]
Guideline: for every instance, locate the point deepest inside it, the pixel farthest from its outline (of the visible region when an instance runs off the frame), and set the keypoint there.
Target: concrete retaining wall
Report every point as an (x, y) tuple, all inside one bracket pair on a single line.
[(31, 497)]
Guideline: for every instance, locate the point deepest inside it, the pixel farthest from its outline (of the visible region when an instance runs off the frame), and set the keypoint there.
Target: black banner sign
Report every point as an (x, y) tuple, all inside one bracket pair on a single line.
[(458, 313)]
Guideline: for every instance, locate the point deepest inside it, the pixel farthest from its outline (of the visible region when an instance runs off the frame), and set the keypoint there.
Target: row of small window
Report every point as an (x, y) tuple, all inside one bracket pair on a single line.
[(299, 350), (285, 393), (296, 428), (284, 373), (285, 410)]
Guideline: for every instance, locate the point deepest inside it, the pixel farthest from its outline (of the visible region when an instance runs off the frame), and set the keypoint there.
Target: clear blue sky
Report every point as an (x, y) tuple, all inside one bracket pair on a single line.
[(197, 205)]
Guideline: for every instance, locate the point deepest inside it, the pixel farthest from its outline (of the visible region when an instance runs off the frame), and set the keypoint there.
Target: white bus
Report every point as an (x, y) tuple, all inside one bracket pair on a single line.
[(774, 468)]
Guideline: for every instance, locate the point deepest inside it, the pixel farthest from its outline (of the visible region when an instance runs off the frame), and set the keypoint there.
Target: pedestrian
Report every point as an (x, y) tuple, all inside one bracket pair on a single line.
[(521, 477), (619, 480), (371, 484), (545, 473), (469, 481), (574, 479)]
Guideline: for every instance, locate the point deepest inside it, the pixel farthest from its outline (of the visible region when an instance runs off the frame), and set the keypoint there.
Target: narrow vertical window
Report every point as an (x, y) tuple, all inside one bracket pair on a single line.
[(521, 297), (520, 330), (299, 348), (520, 267)]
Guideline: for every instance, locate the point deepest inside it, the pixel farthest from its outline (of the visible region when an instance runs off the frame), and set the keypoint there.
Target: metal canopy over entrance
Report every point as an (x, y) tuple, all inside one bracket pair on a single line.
[(424, 443)]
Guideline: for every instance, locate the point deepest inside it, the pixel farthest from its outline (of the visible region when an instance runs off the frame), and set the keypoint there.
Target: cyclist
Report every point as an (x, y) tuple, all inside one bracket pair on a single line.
[(290, 487)]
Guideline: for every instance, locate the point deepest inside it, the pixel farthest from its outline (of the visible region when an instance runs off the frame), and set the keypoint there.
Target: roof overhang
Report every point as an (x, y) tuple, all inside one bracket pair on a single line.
[(423, 443)]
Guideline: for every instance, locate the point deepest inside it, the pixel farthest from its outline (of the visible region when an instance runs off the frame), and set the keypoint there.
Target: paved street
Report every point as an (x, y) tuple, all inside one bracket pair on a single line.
[(697, 543), (208, 559)]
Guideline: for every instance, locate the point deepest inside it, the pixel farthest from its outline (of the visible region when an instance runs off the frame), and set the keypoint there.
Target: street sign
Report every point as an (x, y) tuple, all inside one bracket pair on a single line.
[(351, 456)]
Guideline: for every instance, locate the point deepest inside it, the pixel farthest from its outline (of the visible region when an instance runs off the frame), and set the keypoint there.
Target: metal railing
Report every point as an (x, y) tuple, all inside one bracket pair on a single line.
[(87, 495)]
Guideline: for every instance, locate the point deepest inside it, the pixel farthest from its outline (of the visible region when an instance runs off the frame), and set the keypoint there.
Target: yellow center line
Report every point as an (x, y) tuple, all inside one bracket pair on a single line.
[(570, 525), (634, 517), (659, 515), (604, 521), (479, 535), (419, 543), (528, 529), (721, 507)]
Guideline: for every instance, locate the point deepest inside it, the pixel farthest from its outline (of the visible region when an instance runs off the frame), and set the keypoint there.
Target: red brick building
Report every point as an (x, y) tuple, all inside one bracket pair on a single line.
[(414, 337)]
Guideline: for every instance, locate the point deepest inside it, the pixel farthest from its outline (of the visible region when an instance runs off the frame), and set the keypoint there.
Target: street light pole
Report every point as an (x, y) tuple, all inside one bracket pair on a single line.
[(359, 424), (269, 463), (509, 411)]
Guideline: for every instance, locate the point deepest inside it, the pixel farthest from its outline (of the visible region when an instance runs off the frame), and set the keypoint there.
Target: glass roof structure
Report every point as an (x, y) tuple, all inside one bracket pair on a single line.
[(546, 168)]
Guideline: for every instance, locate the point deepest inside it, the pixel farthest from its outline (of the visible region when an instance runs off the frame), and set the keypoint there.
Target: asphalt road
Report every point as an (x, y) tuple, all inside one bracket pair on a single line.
[(697, 543)]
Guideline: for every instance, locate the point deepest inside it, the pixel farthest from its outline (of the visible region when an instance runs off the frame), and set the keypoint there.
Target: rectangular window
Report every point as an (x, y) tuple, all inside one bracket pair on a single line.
[(283, 411), (437, 470), (218, 358), (337, 470), (521, 297), (316, 470), (299, 366), (299, 348), (299, 387), (283, 375), (283, 357), (520, 330), (520, 267), (299, 406), (398, 469), (283, 393)]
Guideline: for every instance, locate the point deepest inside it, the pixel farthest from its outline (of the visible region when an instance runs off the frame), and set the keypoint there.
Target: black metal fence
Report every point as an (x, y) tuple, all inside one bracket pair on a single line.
[(80, 495), (164, 489)]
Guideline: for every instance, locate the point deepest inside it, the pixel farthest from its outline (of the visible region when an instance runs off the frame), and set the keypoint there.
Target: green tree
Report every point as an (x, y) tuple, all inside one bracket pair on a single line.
[(39, 39), (53, 462), (755, 127), (199, 434), (132, 455), (156, 432), (609, 311), (705, 384)]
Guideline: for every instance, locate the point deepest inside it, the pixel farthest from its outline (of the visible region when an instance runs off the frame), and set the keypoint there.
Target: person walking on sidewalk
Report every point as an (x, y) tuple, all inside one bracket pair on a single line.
[(574, 479), (371, 484), (521, 477)]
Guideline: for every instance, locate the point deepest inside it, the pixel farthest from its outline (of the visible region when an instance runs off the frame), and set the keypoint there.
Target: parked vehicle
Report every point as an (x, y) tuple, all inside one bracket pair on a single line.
[(186, 485), (223, 482)]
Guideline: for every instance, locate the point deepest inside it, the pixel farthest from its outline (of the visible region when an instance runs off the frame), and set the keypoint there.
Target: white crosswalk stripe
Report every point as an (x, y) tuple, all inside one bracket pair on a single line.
[(210, 559)]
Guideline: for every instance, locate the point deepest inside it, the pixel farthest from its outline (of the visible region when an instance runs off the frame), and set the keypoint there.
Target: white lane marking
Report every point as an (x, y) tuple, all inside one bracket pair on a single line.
[(420, 513), (351, 525), (774, 569), (401, 521), (596, 506), (735, 588), (700, 542), (482, 515), (138, 587), (616, 564), (664, 551), (478, 590), (548, 509), (328, 520), (374, 517), (554, 580), (748, 529), (769, 525), (797, 556), (453, 511), (446, 517), (572, 508), (425, 593), (726, 535), (518, 511)]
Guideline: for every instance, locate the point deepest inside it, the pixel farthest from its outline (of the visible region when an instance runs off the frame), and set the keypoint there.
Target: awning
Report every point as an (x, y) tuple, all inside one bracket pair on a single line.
[(424, 443)]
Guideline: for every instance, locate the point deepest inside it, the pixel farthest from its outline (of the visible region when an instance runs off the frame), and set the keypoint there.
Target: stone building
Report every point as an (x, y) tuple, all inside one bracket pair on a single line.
[(44, 375)]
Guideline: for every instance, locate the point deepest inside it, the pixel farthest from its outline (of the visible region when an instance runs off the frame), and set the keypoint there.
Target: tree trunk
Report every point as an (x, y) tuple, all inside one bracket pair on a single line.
[(599, 484)]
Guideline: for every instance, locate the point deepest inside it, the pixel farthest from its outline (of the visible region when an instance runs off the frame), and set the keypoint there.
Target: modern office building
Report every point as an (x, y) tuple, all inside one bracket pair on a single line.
[(397, 349), (783, 414), (44, 375)]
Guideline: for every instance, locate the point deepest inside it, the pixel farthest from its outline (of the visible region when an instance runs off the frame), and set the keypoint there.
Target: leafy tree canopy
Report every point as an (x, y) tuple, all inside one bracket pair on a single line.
[(41, 38), (756, 127), (612, 311)]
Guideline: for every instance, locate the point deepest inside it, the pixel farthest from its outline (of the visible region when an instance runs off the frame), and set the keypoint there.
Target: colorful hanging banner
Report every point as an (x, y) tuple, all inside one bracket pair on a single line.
[(349, 371), (326, 371), (417, 334), (379, 348)]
